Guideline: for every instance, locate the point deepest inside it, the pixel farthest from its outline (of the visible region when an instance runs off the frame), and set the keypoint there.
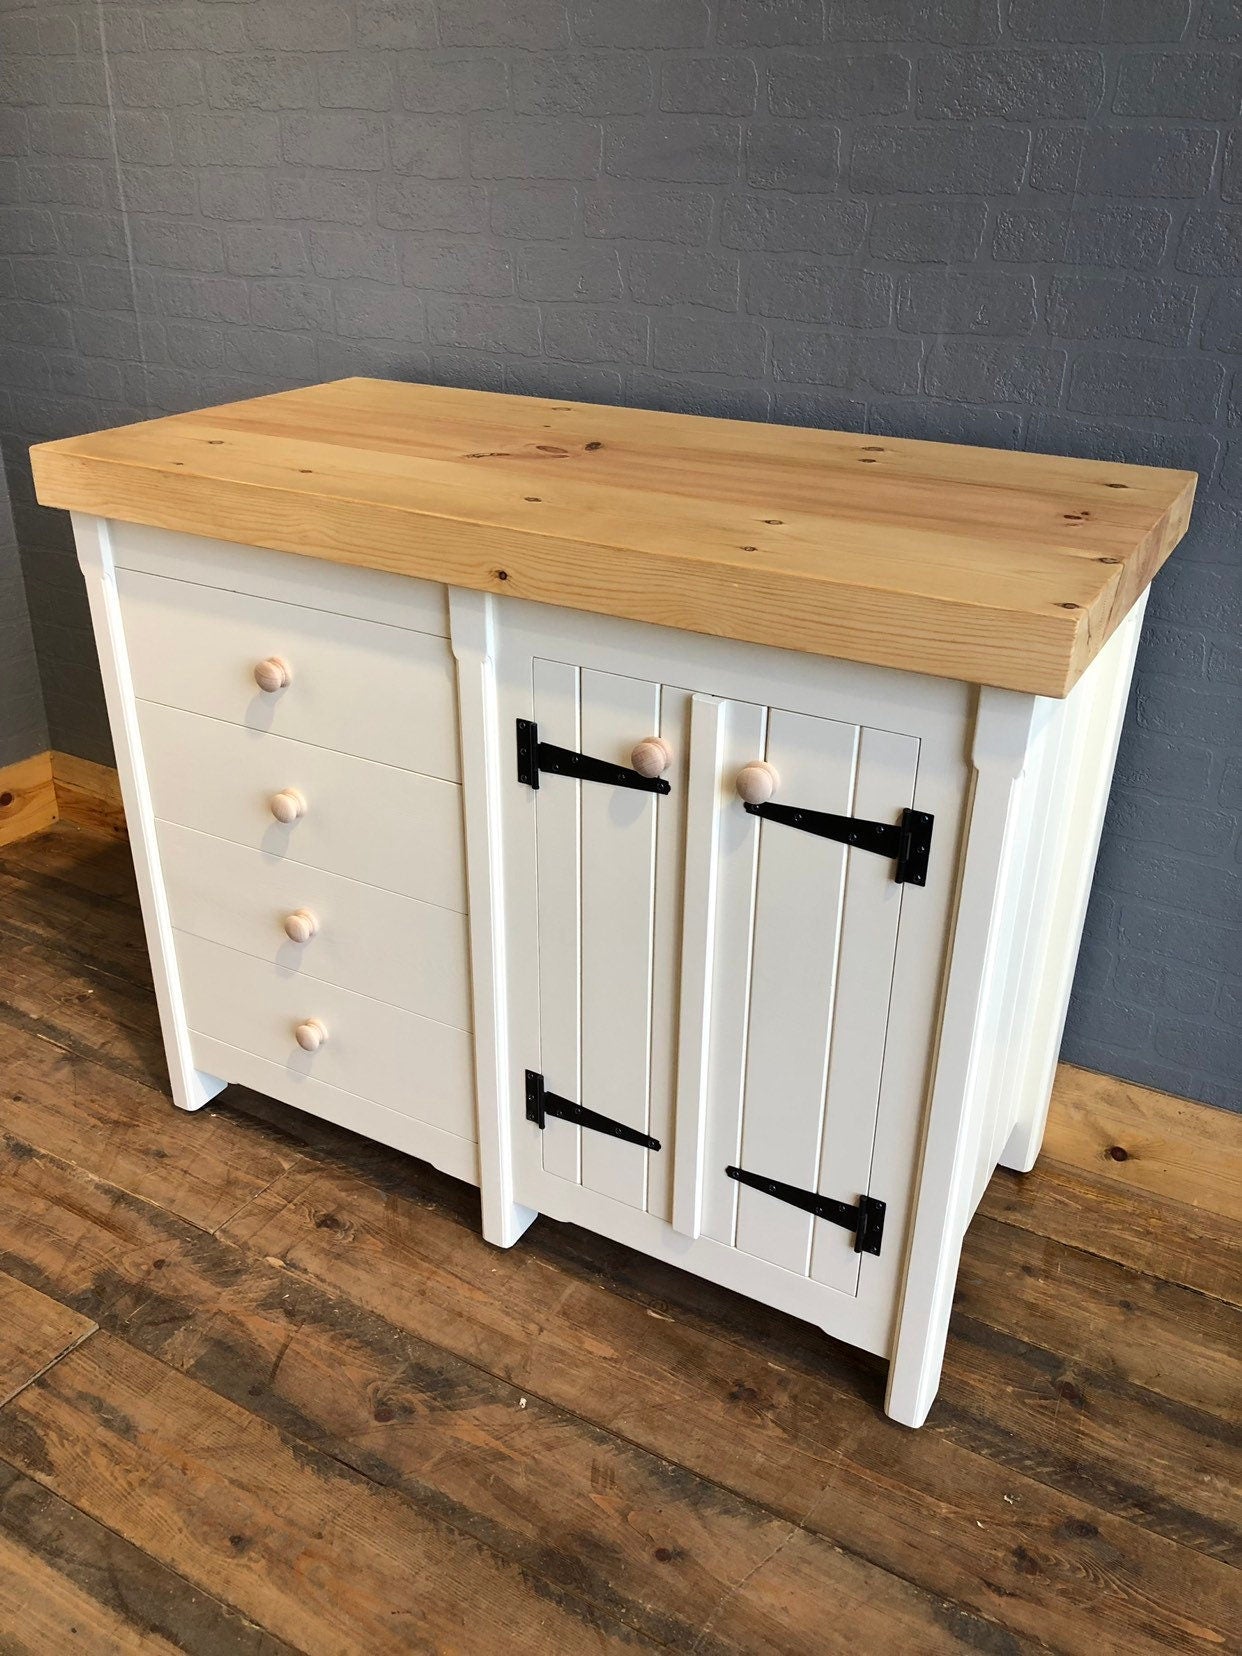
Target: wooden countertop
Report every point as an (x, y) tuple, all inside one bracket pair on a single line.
[(967, 563)]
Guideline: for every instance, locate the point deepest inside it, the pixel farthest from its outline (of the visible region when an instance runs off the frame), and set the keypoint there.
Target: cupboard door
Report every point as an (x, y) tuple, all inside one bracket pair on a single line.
[(606, 949), (805, 936)]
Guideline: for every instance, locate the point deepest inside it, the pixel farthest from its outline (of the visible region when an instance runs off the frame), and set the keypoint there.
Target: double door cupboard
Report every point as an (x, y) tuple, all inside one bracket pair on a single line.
[(716, 889)]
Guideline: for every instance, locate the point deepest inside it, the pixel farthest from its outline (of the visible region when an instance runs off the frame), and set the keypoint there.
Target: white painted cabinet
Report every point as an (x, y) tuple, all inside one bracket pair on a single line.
[(768, 972), (780, 1041)]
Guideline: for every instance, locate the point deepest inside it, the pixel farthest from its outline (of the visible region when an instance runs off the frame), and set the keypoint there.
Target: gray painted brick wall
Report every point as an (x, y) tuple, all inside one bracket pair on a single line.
[(23, 722), (1011, 222)]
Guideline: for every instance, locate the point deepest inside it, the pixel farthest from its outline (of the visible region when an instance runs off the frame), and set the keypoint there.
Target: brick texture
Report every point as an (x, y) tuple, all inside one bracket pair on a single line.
[(1007, 222), (23, 720)]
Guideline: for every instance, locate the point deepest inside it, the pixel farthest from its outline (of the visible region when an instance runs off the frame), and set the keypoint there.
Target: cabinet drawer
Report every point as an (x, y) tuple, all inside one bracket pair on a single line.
[(360, 687), (413, 1065), (369, 822), (391, 948), (344, 589)]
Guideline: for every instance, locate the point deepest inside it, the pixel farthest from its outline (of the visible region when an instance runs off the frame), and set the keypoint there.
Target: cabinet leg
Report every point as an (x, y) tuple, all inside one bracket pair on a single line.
[(1023, 1145), (193, 1088), (504, 1223), (914, 1379), (923, 1332)]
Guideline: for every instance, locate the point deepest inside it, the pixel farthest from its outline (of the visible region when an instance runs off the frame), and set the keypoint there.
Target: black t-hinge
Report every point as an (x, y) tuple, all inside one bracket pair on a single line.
[(540, 1104), (534, 756), (865, 1217), (907, 841)]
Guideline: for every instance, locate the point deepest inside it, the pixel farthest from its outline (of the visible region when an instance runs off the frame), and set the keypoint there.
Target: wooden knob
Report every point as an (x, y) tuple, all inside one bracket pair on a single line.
[(310, 1035), (300, 926), (757, 782), (273, 674), (652, 756), (288, 805)]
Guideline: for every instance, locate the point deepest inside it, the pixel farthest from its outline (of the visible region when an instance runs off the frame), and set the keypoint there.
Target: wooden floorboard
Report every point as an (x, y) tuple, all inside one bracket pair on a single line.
[(35, 1331), (584, 1511), (1151, 1234), (69, 1583), (268, 1376), (67, 1105)]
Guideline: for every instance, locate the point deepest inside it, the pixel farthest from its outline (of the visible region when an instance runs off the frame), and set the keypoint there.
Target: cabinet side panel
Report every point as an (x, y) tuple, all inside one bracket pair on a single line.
[(1099, 704), (955, 1120), (1004, 1013)]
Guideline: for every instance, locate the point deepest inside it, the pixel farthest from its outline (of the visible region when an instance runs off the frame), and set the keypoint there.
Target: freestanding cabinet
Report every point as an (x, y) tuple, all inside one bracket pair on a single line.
[(679, 827)]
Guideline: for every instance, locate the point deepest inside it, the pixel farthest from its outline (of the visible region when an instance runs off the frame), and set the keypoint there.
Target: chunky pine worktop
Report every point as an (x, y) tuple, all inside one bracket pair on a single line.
[(975, 564)]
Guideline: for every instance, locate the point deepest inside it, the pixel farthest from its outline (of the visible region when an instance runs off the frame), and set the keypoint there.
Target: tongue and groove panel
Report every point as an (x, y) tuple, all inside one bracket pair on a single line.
[(805, 937)]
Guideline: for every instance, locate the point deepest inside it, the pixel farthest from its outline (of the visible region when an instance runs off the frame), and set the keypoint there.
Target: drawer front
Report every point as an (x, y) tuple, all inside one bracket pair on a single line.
[(391, 948), (315, 583), (369, 822), (409, 1064), (360, 687)]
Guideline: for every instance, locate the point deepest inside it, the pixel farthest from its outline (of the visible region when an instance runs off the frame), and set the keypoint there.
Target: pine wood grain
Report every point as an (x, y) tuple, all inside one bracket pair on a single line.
[(802, 1433), (27, 798), (34, 1332), (88, 795), (1150, 1233), (70, 998), (306, 1547), (88, 1586), (1139, 1329), (88, 865), (1147, 1141), (51, 913), (62, 1103), (623, 1535), (1173, 1470), (804, 1436), (993, 567), (666, 1548), (41, 1611)]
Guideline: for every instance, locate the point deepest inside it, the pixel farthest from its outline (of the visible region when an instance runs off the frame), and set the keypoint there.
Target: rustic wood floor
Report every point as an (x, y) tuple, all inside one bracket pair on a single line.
[(263, 1388)]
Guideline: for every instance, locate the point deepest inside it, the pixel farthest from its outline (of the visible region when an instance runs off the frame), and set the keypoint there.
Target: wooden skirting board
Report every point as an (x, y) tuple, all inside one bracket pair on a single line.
[(27, 798), (57, 787), (88, 795)]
